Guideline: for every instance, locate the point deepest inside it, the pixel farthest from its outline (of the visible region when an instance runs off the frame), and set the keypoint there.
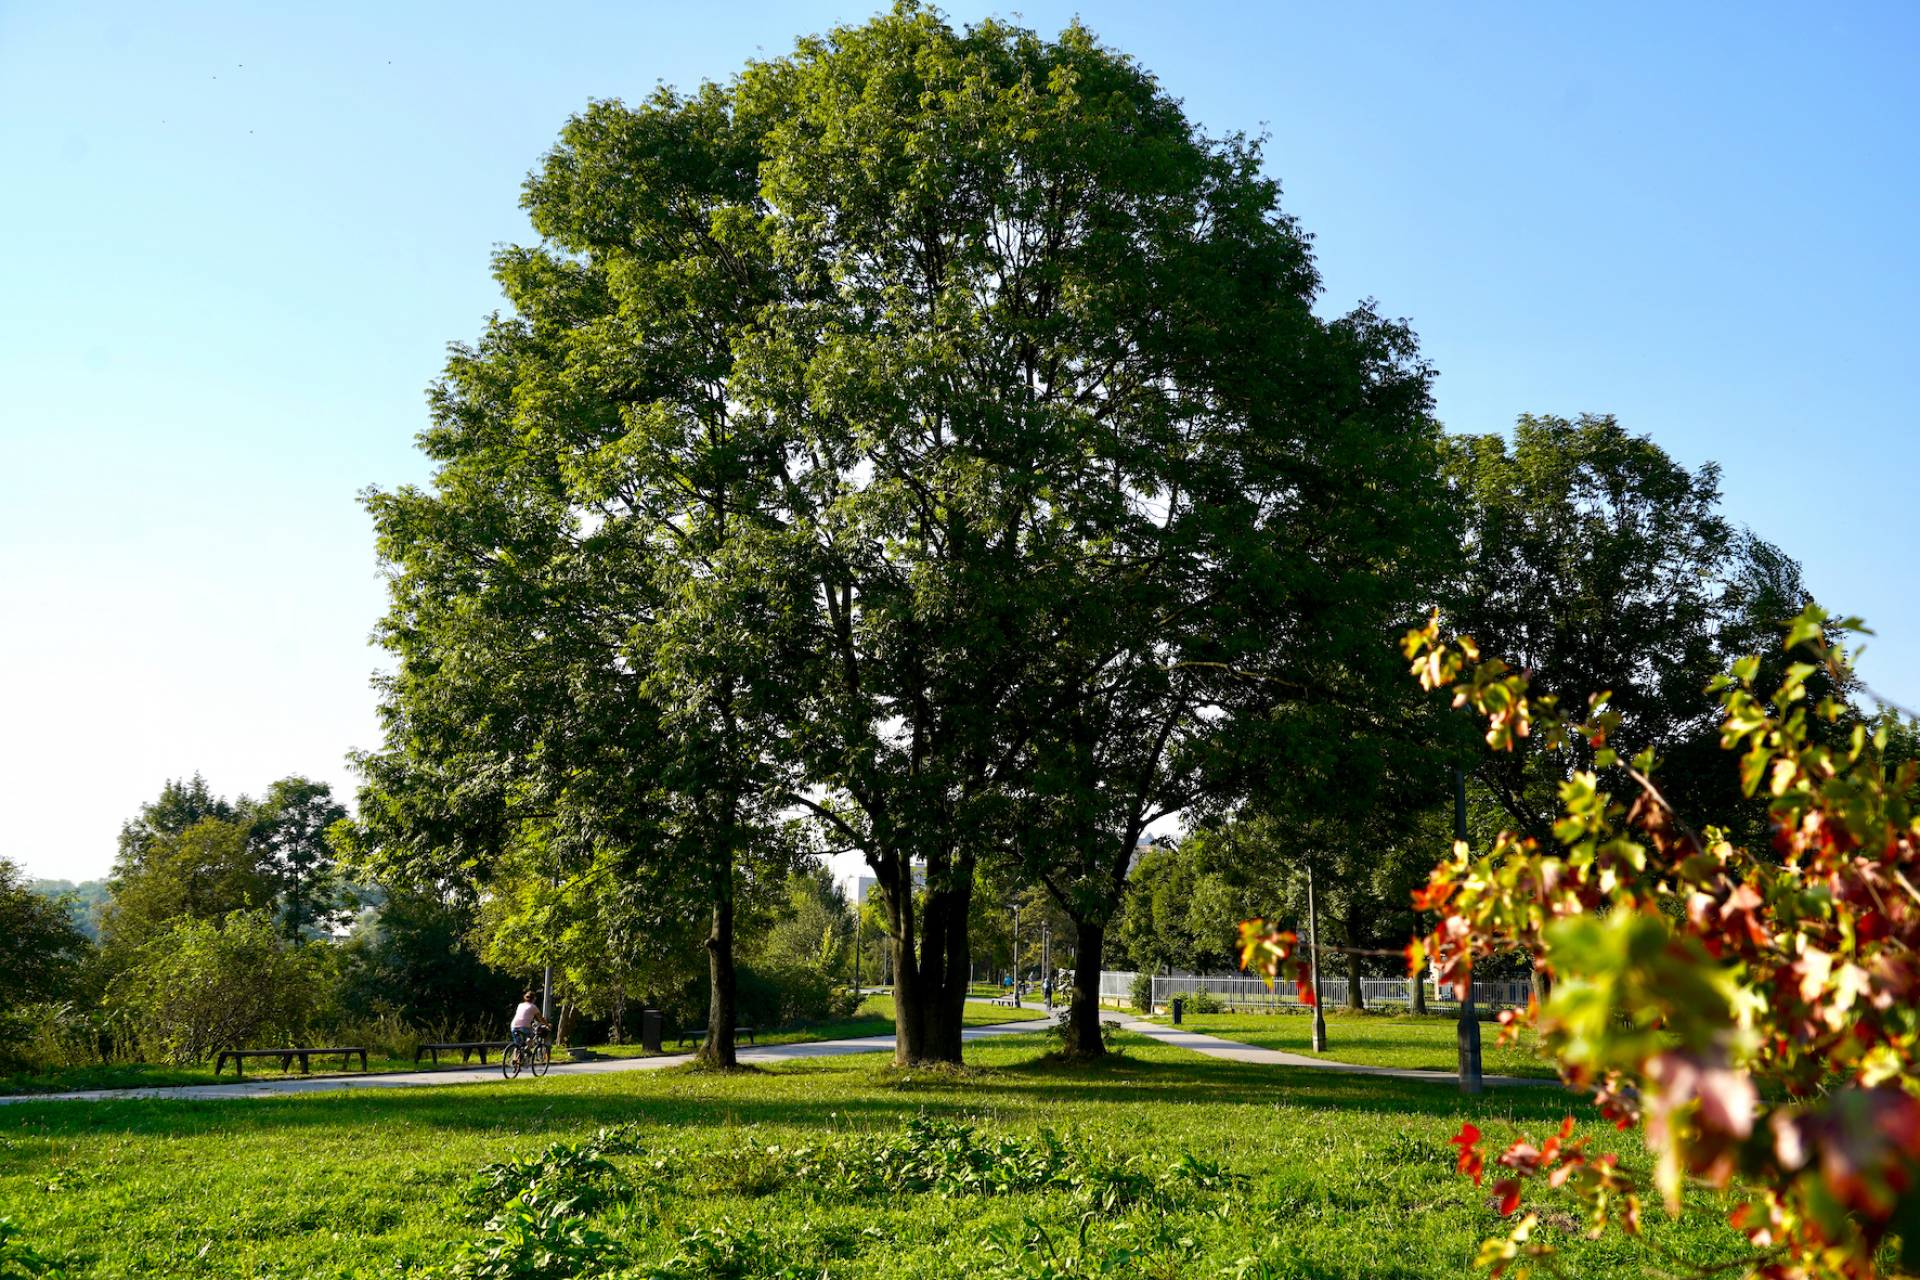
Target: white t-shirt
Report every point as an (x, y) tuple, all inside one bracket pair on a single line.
[(525, 1016)]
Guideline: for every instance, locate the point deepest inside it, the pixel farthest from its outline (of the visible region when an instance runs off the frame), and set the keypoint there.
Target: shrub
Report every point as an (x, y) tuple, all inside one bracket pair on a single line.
[(1204, 1002), (1142, 992), (1752, 1012), (204, 985)]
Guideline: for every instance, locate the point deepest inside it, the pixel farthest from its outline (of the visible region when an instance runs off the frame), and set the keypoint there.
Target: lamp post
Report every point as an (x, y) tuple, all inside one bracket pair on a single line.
[(1469, 1026), (1016, 952), (1313, 963)]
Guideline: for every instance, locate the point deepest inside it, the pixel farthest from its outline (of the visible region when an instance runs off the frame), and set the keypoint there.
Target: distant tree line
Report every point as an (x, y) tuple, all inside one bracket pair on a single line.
[(231, 923)]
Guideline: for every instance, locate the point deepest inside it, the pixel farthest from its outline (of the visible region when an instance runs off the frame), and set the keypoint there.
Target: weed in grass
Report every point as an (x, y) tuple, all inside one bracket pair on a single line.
[(19, 1260)]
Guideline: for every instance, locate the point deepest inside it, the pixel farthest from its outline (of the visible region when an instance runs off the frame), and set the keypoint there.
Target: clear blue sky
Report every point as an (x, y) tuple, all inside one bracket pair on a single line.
[(236, 239)]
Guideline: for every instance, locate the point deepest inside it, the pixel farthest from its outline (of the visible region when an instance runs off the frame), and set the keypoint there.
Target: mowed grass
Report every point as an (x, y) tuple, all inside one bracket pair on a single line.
[(1300, 1173), (873, 1018), (1374, 1040)]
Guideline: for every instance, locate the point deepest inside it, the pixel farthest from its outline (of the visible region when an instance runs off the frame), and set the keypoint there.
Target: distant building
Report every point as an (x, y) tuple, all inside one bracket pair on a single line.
[(858, 885)]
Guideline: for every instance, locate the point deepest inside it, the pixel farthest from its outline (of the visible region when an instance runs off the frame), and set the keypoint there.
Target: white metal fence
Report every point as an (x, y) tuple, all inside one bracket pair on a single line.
[(1240, 992)]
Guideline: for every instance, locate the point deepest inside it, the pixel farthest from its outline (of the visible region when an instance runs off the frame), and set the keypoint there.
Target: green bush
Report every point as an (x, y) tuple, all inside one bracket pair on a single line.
[(1204, 1002), (1143, 992), (203, 985)]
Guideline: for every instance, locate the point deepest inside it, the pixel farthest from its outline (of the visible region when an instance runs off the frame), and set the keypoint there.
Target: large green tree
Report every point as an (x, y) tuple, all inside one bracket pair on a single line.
[(1087, 484), (917, 414), (1596, 562)]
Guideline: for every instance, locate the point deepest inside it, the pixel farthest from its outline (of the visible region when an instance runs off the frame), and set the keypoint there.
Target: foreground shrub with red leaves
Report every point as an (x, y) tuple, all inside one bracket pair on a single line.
[(1755, 1016)]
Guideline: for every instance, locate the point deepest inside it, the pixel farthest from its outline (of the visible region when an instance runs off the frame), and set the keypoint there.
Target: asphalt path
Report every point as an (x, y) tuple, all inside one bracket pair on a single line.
[(279, 1086)]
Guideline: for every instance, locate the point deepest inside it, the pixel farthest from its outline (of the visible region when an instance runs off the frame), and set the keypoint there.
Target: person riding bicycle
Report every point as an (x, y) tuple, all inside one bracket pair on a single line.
[(525, 1018)]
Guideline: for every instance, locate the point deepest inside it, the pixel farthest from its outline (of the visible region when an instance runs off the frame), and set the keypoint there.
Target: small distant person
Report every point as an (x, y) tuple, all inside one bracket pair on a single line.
[(1049, 991), (525, 1018)]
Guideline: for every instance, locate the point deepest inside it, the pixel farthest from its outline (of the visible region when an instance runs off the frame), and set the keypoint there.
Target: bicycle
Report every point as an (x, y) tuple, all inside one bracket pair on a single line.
[(535, 1054)]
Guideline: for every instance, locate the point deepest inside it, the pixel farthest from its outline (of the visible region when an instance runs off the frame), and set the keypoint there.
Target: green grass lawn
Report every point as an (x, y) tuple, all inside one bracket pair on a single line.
[(874, 1017), (1160, 1164), (1373, 1040)]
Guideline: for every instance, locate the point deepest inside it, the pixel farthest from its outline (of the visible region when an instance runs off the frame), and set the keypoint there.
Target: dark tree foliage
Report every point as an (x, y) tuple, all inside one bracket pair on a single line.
[(40, 948), (412, 957), (1594, 561), (289, 837)]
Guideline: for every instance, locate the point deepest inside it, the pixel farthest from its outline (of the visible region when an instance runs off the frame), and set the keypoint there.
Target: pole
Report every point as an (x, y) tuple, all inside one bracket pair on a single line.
[(546, 992), (1016, 955), (1046, 957), (1469, 1026), (1313, 960), (856, 947)]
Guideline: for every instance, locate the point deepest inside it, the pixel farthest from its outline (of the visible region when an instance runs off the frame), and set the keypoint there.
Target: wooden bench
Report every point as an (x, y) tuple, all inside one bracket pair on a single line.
[(467, 1049), (698, 1035), (286, 1057)]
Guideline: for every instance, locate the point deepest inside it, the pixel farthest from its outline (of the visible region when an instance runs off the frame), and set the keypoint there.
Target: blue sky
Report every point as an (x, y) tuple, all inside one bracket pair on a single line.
[(236, 240)]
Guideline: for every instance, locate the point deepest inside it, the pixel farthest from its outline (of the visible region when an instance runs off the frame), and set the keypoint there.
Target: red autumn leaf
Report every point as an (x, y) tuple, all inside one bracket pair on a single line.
[(1522, 1157), (1507, 1190), (1467, 1140), (1872, 927)]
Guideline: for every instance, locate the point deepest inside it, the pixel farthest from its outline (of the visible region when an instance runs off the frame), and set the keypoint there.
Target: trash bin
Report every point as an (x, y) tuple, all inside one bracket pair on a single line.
[(1179, 1005), (650, 1030)]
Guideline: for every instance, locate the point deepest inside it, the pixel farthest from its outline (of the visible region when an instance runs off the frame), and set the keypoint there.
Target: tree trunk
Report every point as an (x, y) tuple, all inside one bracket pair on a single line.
[(722, 1006), (1083, 1011), (1418, 985), (930, 978), (1356, 999), (1541, 986)]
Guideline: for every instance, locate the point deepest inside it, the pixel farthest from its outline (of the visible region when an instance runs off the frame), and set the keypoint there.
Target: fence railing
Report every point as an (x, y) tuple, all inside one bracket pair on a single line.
[(1241, 992)]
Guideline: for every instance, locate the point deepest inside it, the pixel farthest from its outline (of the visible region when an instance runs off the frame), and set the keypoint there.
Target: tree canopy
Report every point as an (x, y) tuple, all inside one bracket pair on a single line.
[(914, 416)]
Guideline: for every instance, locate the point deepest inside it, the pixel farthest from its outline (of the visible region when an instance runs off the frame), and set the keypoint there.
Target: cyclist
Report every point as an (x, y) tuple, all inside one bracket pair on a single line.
[(525, 1018)]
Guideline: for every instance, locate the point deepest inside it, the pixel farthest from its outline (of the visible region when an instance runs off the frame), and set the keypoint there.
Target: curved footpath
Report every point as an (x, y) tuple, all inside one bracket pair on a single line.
[(274, 1087), (1207, 1046)]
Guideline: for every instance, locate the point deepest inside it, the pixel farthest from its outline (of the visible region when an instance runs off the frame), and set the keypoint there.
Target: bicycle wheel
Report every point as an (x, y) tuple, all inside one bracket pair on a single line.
[(542, 1058), (510, 1061)]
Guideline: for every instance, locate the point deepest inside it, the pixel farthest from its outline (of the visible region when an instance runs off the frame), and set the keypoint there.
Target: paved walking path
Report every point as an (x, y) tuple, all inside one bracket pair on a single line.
[(270, 1087), (1234, 1051), (1207, 1046)]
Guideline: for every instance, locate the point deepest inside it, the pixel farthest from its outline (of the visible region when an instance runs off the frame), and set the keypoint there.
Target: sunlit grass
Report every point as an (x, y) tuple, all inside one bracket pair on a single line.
[(1350, 1178), (1374, 1040)]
